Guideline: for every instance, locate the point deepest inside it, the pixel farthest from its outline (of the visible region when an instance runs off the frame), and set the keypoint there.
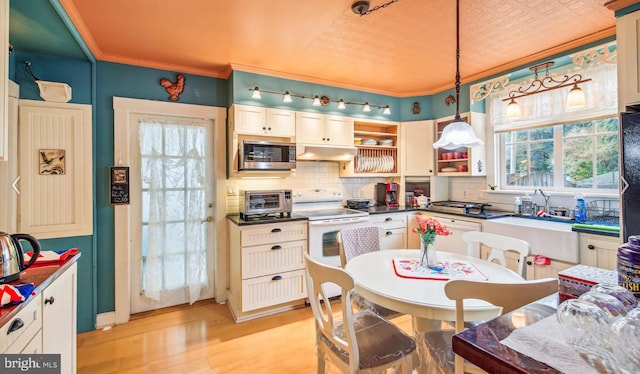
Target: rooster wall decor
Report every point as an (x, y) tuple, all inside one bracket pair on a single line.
[(173, 89)]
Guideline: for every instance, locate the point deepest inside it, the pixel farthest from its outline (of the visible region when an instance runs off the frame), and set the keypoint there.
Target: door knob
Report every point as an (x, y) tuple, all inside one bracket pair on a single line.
[(209, 219)]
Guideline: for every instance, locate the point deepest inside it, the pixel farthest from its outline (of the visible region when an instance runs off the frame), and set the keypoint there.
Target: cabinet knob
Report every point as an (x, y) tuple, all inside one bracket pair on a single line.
[(328, 139), (49, 300), (591, 246), (269, 128), (276, 230), (264, 127), (529, 263), (277, 278)]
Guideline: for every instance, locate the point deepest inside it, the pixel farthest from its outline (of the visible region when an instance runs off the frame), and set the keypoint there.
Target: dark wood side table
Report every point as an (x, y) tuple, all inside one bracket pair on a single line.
[(481, 346)]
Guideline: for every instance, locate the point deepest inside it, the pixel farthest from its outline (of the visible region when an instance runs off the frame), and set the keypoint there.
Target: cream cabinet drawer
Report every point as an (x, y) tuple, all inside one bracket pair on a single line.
[(273, 289), (273, 233), (273, 258), (31, 319), (389, 221)]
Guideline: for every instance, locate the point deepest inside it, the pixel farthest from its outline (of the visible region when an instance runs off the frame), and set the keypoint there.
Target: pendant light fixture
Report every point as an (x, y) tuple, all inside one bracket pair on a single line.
[(458, 133)]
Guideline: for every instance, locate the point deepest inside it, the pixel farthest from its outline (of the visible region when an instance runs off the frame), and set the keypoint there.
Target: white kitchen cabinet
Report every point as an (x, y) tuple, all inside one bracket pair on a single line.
[(9, 167), (253, 120), (321, 129), (59, 306), (57, 203), (452, 243), (599, 250), (512, 257), (628, 49), (416, 147), (266, 268), (535, 271), (462, 161), (48, 322), (4, 78), (393, 229)]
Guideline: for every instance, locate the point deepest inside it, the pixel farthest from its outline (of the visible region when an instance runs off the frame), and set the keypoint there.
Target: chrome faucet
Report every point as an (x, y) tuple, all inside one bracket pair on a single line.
[(546, 199)]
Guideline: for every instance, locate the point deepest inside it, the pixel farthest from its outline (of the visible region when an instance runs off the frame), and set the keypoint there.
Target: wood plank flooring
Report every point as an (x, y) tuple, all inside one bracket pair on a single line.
[(203, 338)]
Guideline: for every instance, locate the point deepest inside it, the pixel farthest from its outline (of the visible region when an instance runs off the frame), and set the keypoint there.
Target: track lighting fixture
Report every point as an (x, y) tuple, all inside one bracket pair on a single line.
[(318, 100)]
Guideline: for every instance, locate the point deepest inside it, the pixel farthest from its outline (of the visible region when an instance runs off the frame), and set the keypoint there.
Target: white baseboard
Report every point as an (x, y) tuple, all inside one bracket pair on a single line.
[(105, 319)]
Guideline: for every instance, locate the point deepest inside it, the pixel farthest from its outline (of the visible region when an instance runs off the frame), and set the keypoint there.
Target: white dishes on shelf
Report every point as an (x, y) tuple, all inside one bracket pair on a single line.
[(373, 162)]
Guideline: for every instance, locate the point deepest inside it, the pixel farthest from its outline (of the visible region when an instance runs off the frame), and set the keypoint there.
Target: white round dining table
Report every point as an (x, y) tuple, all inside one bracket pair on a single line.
[(424, 299)]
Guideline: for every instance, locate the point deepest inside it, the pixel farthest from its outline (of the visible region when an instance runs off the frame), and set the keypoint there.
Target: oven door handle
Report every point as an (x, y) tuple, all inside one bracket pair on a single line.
[(338, 220)]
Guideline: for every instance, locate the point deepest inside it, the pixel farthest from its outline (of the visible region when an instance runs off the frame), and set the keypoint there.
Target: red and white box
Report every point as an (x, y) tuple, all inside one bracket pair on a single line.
[(576, 280)]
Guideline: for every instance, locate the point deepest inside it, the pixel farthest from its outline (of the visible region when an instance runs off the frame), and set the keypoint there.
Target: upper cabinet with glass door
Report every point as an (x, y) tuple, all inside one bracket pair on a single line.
[(462, 161), (255, 120)]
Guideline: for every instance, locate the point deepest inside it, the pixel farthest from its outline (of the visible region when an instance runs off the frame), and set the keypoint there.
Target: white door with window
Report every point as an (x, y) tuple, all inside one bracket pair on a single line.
[(170, 230)]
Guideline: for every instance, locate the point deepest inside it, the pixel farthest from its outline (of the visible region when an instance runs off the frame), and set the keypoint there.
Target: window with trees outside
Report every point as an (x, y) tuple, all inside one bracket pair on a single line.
[(577, 155), (552, 146)]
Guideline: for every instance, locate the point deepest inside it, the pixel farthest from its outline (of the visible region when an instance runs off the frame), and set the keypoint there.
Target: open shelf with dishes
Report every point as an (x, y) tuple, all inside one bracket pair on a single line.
[(461, 161), (377, 150)]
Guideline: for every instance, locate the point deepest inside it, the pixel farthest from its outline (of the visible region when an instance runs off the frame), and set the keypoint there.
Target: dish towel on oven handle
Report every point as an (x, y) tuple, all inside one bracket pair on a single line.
[(10, 294), (51, 257)]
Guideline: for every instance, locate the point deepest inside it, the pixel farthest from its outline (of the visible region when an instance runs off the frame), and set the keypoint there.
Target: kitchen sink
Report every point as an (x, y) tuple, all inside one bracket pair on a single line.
[(547, 237)]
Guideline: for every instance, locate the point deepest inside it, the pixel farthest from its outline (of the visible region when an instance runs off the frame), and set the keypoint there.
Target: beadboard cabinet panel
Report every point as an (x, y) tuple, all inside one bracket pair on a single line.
[(56, 203)]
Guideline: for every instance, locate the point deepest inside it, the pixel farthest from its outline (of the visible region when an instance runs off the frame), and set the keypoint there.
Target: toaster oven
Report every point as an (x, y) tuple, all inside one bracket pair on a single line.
[(266, 202)]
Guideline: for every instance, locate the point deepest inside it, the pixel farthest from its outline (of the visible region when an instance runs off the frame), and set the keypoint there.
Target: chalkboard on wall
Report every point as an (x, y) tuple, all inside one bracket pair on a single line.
[(119, 185)]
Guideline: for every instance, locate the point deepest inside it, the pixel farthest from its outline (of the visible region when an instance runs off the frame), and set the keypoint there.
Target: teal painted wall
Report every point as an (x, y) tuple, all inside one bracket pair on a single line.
[(139, 83)]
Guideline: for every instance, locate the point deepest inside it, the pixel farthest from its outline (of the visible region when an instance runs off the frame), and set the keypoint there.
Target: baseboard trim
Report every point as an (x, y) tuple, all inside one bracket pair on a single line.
[(105, 319)]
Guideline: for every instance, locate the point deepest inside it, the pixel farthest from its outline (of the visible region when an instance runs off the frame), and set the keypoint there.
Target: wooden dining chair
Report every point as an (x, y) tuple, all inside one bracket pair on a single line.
[(360, 342), (499, 244), (507, 296), (354, 242)]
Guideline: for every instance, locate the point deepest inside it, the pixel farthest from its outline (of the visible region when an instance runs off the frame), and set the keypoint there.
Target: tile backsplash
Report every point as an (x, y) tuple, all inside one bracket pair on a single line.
[(309, 174)]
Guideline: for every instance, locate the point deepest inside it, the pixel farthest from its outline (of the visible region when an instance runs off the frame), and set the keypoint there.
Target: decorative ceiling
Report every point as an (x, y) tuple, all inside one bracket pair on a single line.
[(404, 49)]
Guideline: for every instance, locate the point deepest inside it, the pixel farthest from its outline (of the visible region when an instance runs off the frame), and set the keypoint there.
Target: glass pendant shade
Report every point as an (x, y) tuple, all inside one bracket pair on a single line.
[(287, 97), (256, 94), (341, 104), (457, 134), (366, 107), (316, 101), (386, 110), (513, 110), (576, 98)]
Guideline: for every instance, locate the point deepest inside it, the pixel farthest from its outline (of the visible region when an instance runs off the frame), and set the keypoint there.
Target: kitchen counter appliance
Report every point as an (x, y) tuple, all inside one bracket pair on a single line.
[(260, 155), (387, 194), (12, 257), (326, 217), (265, 202)]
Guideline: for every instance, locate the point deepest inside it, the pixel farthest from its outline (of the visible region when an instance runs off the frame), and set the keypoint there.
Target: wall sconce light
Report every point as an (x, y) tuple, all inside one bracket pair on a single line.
[(575, 99), (317, 100)]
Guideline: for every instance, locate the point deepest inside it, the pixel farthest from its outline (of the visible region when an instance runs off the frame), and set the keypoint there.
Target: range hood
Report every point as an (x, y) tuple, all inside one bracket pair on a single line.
[(313, 152)]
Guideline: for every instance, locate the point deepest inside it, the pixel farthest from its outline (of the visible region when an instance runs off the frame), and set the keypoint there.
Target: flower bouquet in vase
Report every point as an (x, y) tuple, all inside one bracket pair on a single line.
[(428, 229)]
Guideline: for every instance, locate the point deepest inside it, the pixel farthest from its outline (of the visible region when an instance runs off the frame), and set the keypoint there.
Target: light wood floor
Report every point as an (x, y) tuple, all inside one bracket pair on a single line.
[(202, 338)]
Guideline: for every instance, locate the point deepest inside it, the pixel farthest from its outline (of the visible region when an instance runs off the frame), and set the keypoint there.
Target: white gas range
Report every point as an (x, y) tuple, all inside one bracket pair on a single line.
[(327, 216)]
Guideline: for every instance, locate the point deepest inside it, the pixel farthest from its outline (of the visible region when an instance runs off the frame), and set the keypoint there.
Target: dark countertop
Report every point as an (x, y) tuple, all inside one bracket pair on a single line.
[(481, 346), (41, 277), (235, 218), (596, 232)]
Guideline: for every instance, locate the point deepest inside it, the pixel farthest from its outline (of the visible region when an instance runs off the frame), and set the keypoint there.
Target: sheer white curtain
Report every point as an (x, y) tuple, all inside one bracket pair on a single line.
[(173, 177), (549, 108)]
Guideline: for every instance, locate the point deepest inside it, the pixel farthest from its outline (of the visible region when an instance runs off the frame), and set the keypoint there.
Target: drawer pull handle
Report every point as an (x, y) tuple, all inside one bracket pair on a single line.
[(276, 247), (388, 233), (388, 219), (50, 300), (276, 230), (15, 325), (591, 246), (277, 278)]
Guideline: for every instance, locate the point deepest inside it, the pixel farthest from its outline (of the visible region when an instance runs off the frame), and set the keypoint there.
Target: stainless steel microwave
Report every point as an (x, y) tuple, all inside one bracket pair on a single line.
[(266, 155), (265, 202)]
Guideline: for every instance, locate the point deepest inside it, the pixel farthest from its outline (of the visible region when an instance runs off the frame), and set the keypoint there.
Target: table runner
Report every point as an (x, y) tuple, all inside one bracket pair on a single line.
[(445, 270), (544, 341)]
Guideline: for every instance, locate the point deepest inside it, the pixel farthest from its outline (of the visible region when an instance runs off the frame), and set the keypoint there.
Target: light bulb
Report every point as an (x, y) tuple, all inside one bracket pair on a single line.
[(287, 97), (256, 93)]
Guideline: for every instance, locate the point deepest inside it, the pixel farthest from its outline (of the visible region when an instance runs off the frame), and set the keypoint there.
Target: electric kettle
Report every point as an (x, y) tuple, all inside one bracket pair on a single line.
[(12, 257)]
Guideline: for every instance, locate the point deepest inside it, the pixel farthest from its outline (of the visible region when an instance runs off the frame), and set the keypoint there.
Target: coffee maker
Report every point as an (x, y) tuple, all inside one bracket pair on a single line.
[(387, 194)]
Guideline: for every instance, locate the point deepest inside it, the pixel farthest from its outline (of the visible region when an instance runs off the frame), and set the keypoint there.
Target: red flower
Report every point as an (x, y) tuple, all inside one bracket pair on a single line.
[(429, 227)]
